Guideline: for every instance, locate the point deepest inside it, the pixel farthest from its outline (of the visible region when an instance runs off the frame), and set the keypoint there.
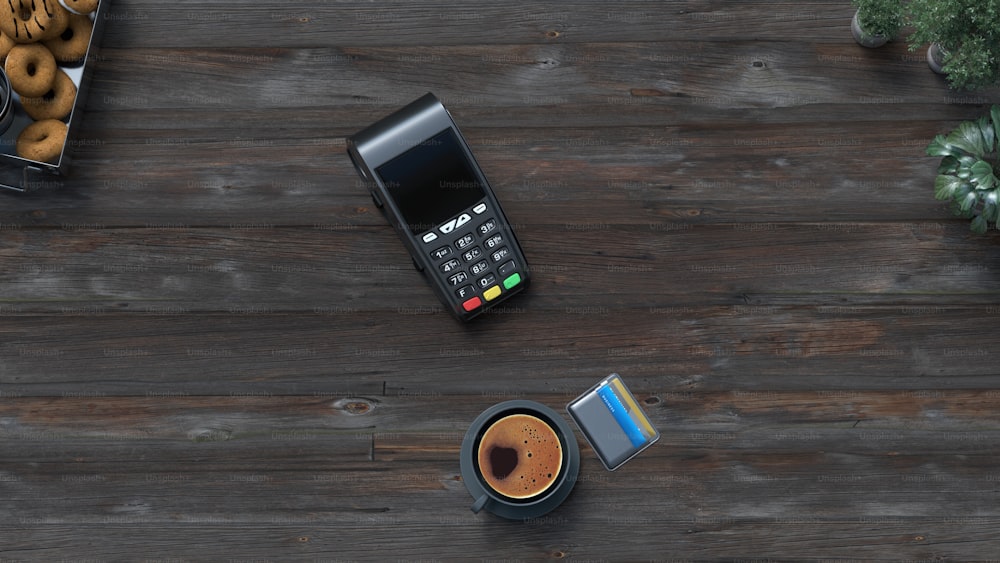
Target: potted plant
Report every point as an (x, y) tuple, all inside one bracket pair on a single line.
[(968, 172), (964, 37), (876, 22)]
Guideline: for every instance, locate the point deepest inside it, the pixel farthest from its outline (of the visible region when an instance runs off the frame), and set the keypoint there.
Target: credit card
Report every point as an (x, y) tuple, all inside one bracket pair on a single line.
[(612, 422)]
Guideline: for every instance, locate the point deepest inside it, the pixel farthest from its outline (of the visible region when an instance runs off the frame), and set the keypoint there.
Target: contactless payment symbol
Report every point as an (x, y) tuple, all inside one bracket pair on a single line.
[(612, 422)]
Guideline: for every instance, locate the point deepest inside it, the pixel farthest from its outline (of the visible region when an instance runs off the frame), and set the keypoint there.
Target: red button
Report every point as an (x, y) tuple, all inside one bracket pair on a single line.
[(472, 304)]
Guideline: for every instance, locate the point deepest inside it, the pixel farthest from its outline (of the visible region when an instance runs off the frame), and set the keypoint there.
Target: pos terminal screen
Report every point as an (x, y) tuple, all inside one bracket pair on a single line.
[(432, 182)]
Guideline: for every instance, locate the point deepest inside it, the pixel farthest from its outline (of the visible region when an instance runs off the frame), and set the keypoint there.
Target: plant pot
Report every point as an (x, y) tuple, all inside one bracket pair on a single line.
[(935, 58), (864, 38)]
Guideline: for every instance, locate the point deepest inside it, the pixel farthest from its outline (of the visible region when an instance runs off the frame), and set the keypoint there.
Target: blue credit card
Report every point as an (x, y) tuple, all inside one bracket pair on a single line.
[(621, 414)]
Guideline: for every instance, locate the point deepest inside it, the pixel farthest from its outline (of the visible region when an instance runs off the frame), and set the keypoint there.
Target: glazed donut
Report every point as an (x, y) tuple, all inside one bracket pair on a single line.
[(31, 69), (28, 21), (80, 7), (71, 45), (54, 104), (6, 44), (42, 140)]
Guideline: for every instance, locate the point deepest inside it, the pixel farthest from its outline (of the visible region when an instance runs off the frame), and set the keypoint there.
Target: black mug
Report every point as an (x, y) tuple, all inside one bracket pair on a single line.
[(519, 460)]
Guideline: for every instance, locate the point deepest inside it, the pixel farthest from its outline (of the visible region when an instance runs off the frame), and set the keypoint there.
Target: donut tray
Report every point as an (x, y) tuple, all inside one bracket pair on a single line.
[(25, 175)]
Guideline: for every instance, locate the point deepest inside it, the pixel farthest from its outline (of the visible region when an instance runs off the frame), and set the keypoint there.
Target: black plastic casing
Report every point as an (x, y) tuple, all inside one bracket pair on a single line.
[(391, 137)]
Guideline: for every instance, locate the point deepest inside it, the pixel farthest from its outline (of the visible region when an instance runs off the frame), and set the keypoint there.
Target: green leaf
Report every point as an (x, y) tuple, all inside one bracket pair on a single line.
[(945, 186), (963, 200), (995, 114), (965, 164), (940, 147), (990, 208), (957, 210), (967, 137), (989, 137), (968, 201), (982, 175), (978, 225), (949, 165)]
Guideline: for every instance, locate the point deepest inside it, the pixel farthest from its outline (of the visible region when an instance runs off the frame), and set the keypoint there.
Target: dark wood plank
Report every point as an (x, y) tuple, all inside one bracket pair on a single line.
[(664, 348), (680, 174), (303, 23), (627, 77), (248, 269)]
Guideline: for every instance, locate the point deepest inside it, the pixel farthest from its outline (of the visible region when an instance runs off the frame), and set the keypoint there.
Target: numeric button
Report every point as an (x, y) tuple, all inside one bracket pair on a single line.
[(441, 252), (450, 265), (487, 280), (465, 241), (488, 227), (493, 242), (472, 254), (500, 254)]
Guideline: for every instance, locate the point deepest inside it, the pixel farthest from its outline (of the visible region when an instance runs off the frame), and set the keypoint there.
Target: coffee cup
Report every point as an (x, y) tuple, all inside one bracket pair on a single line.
[(519, 460)]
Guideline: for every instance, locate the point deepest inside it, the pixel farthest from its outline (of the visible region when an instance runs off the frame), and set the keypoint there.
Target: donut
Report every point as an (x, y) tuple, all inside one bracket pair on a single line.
[(80, 7), (31, 69), (54, 104), (71, 45), (42, 140), (6, 44), (28, 21)]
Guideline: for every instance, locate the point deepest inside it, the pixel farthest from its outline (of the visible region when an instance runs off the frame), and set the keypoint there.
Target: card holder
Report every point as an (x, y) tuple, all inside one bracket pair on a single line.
[(612, 422)]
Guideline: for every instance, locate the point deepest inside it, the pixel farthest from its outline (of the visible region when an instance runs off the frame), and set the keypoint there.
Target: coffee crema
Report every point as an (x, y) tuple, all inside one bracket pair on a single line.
[(520, 456)]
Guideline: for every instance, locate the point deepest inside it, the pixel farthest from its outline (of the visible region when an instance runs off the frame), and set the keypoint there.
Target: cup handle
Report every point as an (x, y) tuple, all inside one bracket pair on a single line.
[(480, 503)]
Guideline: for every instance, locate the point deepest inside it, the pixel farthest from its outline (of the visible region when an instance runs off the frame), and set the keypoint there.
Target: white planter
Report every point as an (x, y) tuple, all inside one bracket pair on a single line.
[(864, 38), (935, 58)]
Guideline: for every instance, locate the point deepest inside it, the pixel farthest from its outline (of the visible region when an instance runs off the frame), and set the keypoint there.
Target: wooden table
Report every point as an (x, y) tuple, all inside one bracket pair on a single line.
[(214, 348)]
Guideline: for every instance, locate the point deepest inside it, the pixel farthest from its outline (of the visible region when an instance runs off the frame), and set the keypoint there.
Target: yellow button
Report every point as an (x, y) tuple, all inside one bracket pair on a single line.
[(492, 293)]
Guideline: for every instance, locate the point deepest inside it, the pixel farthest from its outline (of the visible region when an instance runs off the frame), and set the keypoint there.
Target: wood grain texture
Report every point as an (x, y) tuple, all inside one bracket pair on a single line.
[(214, 348)]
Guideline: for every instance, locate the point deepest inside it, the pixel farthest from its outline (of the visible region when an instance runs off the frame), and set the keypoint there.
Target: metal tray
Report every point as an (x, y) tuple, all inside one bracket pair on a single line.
[(25, 175)]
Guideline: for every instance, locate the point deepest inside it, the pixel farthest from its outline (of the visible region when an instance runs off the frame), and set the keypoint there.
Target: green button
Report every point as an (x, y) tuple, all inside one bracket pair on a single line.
[(513, 280)]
